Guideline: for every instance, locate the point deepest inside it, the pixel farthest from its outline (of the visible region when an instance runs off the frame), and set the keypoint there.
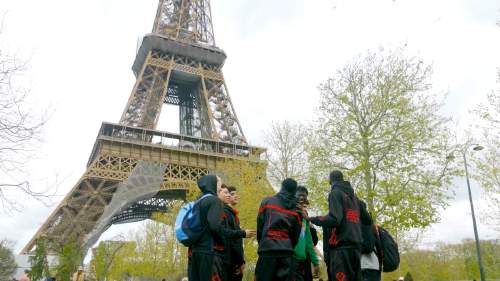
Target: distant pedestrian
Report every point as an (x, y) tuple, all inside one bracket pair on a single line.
[(344, 218), (25, 276), (278, 230), (79, 275)]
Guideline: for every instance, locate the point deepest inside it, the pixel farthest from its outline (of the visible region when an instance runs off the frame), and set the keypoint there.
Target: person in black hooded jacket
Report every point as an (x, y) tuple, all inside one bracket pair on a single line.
[(205, 262), (345, 216), (278, 230)]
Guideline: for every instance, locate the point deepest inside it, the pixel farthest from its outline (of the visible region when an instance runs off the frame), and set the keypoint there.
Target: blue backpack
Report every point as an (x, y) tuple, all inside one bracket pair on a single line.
[(188, 225)]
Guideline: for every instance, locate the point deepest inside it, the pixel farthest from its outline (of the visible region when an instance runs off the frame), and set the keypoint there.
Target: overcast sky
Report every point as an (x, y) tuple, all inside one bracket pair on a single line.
[(81, 53)]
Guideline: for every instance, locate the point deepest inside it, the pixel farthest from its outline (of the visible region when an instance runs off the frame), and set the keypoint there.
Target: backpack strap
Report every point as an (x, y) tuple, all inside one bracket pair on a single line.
[(204, 196), (381, 253)]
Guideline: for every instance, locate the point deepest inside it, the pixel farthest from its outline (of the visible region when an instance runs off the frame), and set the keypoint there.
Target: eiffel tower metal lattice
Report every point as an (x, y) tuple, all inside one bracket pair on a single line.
[(135, 170)]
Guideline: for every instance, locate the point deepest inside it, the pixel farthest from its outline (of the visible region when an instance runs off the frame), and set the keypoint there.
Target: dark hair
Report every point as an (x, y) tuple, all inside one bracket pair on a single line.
[(302, 189), (289, 185), (224, 186), (231, 188), (336, 175)]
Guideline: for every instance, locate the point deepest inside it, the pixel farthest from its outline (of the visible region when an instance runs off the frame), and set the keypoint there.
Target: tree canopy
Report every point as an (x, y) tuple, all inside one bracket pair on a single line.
[(378, 121)]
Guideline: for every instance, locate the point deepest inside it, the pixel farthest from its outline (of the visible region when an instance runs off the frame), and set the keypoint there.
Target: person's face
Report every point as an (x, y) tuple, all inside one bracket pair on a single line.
[(235, 198), (224, 195), (301, 198)]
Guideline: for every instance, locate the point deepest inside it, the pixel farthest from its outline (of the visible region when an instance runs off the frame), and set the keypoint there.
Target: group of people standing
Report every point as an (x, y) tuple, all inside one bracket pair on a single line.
[(285, 235)]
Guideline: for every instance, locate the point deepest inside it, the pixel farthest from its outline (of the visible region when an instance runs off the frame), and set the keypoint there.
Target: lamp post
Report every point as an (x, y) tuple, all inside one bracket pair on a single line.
[(478, 249)]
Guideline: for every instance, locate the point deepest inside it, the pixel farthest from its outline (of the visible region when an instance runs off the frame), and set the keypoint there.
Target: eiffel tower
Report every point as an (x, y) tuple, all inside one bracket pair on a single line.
[(135, 170)]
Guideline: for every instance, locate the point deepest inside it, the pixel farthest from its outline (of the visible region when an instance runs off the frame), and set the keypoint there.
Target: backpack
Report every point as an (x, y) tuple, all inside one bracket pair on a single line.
[(188, 225), (389, 248)]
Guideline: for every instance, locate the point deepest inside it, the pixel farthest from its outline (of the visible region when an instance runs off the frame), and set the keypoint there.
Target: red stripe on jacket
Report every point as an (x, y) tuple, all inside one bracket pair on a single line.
[(278, 208)]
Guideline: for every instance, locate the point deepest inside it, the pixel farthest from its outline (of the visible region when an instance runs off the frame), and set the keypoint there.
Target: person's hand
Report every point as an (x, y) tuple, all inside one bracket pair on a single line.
[(240, 269), (250, 233), (305, 215), (316, 271)]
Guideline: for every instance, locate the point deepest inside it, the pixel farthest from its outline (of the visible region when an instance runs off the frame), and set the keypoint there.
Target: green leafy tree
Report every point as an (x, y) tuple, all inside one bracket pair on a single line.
[(103, 257), (176, 259), (7, 262), (153, 254), (120, 267), (39, 262), (449, 262), (69, 258), (378, 122)]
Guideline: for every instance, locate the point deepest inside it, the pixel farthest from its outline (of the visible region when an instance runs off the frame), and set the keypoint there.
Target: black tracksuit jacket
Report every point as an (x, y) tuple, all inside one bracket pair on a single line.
[(345, 216), (211, 211), (233, 235), (278, 225)]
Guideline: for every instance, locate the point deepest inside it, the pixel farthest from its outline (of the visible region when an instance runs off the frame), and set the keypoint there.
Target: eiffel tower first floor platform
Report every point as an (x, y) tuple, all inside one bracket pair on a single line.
[(131, 174)]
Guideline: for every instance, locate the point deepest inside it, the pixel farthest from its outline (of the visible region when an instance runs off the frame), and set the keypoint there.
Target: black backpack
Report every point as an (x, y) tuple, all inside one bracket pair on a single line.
[(389, 248)]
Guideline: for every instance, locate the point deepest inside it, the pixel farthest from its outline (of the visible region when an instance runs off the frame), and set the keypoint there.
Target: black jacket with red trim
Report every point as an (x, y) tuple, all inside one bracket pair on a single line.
[(278, 225), (345, 216), (234, 236)]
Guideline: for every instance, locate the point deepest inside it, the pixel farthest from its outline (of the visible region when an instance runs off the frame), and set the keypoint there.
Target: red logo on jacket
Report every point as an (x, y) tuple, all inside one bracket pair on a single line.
[(352, 215)]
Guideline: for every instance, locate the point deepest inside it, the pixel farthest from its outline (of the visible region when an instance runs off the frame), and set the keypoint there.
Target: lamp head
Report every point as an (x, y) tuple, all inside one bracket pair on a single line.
[(477, 148)]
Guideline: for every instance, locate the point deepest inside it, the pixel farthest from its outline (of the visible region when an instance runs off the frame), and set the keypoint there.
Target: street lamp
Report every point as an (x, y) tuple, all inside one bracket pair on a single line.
[(478, 249)]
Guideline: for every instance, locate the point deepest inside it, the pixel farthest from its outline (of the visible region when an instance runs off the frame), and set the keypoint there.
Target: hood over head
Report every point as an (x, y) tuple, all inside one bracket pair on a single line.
[(287, 193), (344, 186), (289, 186), (208, 184)]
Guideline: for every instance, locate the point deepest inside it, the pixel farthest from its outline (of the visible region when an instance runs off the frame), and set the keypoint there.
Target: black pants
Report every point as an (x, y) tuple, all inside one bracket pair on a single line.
[(205, 267), (370, 275), (303, 271), (274, 269), (231, 273), (327, 263), (345, 264)]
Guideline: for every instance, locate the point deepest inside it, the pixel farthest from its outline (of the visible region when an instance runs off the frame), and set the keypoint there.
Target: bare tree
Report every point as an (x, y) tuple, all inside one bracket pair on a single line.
[(20, 129), (286, 152)]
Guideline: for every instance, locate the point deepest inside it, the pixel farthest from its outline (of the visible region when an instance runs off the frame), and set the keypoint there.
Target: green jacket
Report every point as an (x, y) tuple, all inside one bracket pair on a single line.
[(305, 247)]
